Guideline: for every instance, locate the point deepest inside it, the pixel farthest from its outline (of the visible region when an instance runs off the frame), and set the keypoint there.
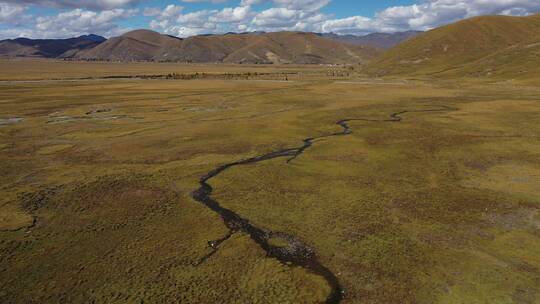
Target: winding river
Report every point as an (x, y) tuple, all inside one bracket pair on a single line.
[(296, 253)]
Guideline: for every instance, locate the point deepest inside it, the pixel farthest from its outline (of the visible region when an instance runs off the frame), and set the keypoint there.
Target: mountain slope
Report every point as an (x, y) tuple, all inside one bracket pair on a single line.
[(140, 45), (47, 48), (376, 40), (282, 47), (459, 48), (296, 47), (517, 61)]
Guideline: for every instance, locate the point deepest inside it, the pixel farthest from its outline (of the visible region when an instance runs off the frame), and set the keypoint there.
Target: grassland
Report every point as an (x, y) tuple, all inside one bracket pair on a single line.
[(40, 69), (497, 47), (97, 180)]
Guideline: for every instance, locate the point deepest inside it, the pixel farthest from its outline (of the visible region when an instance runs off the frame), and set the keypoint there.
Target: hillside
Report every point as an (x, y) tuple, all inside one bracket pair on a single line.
[(282, 47), (376, 40), (47, 48), (488, 45)]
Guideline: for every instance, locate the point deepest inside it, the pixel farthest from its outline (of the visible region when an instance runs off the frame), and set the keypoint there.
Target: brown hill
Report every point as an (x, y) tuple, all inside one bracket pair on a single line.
[(481, 45), (47, 48), (376, 40), (141, 45), (282, 47)]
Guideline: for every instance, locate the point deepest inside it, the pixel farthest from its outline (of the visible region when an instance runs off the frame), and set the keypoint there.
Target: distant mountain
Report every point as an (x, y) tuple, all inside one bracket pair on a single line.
[(47, 48), (92, 37), (480, 46), (280, 47), (376, 40)]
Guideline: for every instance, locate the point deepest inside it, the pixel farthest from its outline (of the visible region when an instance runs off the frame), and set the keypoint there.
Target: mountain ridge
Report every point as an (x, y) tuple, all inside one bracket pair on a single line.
[(245, 47), (253, 48), (377, 40), (484, 45), (48, 48)]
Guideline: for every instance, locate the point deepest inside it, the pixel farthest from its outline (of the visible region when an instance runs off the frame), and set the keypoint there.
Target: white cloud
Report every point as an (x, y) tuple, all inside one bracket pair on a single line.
[(277, 17), (184, 25), (171, 11), (429, 14), (174, 22), (89, 4), (102, 16), (211, 1), (13, 14), (231, 15), (77, 22), (250, 2), (306, 15), (303, 5), (74, 23)]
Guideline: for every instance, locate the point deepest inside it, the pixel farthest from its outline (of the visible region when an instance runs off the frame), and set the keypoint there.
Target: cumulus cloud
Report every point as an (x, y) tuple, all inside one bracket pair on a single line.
[(303, 5), (184, 25), (77, 22), (171, 11), (211, 1), (89, 4), (173, 21), (301, 15), (306, 15), (102, 16), (73, 23), (231, 15), (430, 14), (277, 17), (281, 18), (250, 2), (13, 14)]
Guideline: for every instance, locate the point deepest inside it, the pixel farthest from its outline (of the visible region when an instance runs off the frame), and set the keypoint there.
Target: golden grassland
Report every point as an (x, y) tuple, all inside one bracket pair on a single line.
[(500, 48), (97, 177), (45, 69)]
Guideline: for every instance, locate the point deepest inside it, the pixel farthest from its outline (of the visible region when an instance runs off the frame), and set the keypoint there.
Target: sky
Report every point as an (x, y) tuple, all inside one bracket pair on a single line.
[(183, 18)]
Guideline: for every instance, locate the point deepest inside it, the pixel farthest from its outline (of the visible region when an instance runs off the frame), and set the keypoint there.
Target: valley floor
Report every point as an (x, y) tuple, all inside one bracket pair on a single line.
[(430, 195)]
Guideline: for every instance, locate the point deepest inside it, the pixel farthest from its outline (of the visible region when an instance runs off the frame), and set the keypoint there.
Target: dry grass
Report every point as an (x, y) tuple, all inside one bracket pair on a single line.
[(500, 48), (39, 69), (439, 208)]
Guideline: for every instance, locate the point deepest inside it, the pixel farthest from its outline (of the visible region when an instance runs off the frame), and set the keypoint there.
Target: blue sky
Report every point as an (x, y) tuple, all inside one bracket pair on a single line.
[(337, 8), (346, 8), (68, 18), (340, 8)]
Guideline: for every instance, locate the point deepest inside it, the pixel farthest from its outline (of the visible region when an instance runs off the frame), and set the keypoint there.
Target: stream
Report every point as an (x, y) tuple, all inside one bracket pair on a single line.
[(296, 253)]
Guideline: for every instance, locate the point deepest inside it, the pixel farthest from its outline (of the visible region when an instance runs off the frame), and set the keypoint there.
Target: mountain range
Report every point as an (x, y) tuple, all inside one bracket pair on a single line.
[(48, 48), (480, 46), (486, 46), (251, 47), (376, 40), (254, 48)]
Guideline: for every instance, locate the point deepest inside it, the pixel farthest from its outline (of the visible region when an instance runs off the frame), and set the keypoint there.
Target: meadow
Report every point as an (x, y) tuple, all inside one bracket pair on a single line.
[(432, 197)]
